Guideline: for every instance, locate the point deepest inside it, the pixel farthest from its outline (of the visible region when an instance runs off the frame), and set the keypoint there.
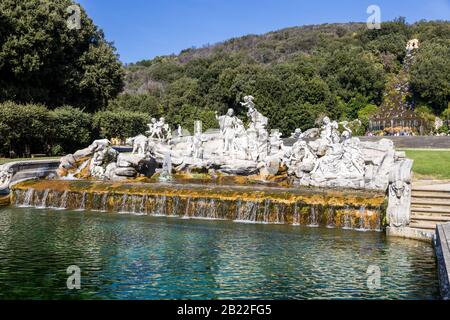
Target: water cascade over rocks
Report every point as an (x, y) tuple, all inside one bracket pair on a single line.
[(348, 210)]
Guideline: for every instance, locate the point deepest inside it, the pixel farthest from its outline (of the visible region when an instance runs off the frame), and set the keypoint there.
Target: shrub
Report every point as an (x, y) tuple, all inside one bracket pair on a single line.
[(72, 128), (57, 150), (120, 124), (365, 113), (25, 128)]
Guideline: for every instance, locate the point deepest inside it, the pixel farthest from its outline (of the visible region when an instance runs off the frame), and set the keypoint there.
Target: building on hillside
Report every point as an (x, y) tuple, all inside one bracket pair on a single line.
[(397, 122)]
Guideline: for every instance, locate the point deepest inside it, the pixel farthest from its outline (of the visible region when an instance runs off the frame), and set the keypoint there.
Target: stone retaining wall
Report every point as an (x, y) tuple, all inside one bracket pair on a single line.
[(443, 258), (14, 172)]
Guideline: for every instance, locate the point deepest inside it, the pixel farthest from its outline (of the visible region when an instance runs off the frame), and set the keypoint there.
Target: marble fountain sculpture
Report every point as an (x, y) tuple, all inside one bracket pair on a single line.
[(239, 172)]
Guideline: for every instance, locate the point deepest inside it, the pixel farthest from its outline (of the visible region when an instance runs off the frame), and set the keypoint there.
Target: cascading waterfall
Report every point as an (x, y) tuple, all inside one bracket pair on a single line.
[(213, 210), (44, 199), (296, 220), (313, 218), (63, 203), (123, 206), (83, 202), (160, 209), (330, 217), (347, 218), (266, 210), (361, 216), (175, 202), (238, 209), (28, 201), (72, 176), (142, 207), (247, 212), (256, 210), (188, 207), (104, 202)]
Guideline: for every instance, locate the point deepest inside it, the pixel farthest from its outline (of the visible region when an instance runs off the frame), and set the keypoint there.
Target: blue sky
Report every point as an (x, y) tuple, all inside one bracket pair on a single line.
[(143, 29)]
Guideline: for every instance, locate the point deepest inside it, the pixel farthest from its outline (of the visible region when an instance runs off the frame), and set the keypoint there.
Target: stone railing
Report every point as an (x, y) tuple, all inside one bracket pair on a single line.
[(14, 172)]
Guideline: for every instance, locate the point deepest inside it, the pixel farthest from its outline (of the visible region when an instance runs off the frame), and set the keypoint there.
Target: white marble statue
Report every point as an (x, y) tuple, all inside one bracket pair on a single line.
[(5, 176), (258, 121), (252, 144), (151, 128), (330, 131), (276, 143), (300, 159), (140, 144), (399, 205), (228, 126), (297, 134), (159, 129), (197, 145)]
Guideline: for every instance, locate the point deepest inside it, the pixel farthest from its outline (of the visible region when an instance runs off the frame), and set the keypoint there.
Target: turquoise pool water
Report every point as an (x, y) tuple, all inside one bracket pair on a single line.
[(144, 257)]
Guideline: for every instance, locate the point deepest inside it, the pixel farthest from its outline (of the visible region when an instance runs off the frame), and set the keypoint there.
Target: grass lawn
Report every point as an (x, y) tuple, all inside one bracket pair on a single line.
[(430, 163), (6, 160)]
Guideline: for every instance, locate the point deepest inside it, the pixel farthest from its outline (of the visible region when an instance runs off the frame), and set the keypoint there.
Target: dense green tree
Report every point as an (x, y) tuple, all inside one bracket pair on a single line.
[(300, 115), (391, 38), (145, 103), (365, 113), (25, 128), (430, 74), (120, 124), (351, 71), (431, 30), (72, 129), (45, 60)]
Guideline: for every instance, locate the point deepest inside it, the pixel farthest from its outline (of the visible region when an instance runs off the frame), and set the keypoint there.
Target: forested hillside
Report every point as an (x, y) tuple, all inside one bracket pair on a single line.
[(296, 74)]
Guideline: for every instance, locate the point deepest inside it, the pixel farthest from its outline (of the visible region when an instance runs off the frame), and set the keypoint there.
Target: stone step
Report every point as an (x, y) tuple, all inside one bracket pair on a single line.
[(431, 188), (429, 232), (429, 214), (415, 217), (434, 209), (432, 202), (423, 225), (431, 194)]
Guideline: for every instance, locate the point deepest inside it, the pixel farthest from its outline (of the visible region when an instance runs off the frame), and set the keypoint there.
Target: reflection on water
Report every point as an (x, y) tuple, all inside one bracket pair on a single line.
[(143, 257)]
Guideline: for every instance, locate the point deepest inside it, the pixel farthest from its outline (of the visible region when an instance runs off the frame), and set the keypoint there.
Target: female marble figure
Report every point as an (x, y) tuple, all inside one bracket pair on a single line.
[(228, 126)]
